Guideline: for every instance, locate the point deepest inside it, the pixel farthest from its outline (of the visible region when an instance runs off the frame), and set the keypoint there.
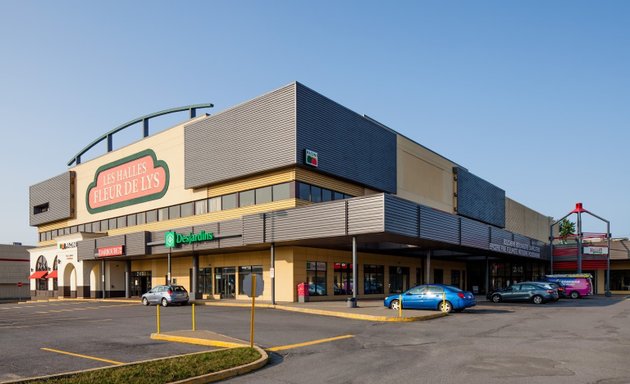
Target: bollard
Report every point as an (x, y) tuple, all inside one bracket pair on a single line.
[(443, 301), (194, 324), (158, 318), (400, 305)]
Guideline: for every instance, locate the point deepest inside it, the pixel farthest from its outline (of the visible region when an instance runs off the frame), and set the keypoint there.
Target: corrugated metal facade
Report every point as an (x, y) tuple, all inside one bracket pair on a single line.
[(347, 144), (478, 199), (402, 217), (253, 137), (56, 195), (439, 226)]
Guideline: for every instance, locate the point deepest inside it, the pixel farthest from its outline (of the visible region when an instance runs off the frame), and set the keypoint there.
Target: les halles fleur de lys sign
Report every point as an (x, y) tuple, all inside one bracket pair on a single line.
[(131, 180)]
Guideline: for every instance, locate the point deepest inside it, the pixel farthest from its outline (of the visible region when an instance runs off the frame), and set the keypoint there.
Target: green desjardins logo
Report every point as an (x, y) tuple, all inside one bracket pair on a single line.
[(173, 239)]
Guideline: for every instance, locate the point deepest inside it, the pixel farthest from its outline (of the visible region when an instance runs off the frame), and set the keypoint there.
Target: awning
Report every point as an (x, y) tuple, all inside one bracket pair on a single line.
[(38, 275), (52, 275)]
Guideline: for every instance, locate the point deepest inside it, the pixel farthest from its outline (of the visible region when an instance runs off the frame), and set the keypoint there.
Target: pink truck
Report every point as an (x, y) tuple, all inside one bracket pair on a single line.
[(575, 285)]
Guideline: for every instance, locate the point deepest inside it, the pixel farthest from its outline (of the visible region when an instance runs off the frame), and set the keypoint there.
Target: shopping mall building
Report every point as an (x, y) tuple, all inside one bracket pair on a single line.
[(290, 186)]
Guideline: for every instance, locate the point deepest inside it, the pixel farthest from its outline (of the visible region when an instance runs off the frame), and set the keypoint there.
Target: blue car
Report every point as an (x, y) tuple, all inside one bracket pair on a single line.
[(432, 296)]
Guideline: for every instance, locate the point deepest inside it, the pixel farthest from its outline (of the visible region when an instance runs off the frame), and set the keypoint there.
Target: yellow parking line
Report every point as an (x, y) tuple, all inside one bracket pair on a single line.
[(298, 345), (83, 356)]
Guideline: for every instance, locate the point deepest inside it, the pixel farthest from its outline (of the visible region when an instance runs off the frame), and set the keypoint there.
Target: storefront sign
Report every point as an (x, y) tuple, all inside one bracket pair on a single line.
[(116, 250), (173, 239), (595, 250), (311, 158), (134, 179), (68, 245), (516, 248)]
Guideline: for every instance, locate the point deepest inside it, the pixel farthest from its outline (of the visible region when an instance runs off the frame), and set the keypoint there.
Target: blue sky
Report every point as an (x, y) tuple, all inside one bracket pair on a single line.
[(531, 96)]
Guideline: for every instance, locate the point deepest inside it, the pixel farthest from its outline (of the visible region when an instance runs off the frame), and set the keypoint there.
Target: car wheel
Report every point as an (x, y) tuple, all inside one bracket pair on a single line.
[(496, 298), (445, 306), (164, 302), (395, 305), (537, 299), (145, 301), (575, 295)]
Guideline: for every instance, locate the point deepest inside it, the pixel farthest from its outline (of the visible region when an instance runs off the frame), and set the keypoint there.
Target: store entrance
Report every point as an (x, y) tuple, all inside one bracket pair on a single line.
[(225, 282), (140, 282)]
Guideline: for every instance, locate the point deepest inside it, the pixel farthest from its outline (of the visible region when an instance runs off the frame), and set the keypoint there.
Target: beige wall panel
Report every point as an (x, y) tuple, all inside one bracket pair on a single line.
[(276, 177), (286, 278), (525, 221), (168, 146), (424, 176)]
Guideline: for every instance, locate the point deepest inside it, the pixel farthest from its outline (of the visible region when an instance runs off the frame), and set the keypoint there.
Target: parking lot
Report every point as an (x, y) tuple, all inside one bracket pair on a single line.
[(571, 341)]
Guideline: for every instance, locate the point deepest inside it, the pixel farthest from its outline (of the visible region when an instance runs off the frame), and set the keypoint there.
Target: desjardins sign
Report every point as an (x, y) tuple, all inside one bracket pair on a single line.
[(173, 239)]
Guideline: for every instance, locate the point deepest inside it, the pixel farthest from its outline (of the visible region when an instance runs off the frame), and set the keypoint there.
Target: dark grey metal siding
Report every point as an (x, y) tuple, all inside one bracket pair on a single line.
[(110, 241), (497, 235), (478, 199), (439, 226), (57, 193), (522, 239), (136, 243), (366, 215), (402, 216), (252, 137), (85, 249), (475, 234), (209, 228), (320, 220), (233, 229), (254, 229), (348, 145)]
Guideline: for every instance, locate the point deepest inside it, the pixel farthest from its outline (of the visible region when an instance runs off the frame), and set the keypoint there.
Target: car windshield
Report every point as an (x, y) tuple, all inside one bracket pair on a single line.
[(452, 289)]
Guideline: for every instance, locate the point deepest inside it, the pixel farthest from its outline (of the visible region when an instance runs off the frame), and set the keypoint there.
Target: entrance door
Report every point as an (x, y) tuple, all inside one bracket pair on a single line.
[(398, 279), (225, 282), (140, 282)]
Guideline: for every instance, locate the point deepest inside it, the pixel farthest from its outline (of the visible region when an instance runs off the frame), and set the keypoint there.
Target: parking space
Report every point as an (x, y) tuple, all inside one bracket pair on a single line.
[(490, 343)]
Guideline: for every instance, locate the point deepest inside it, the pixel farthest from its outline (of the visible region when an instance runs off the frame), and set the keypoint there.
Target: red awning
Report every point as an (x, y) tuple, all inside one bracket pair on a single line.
[(38, 275), (52, 275)]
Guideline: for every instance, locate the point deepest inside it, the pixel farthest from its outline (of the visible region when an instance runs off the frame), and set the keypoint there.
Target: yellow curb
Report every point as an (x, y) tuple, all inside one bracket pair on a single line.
[(196, 341)]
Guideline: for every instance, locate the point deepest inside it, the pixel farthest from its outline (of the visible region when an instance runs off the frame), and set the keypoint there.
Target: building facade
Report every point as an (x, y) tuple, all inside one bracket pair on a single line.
[(290, 186), (14, 271)]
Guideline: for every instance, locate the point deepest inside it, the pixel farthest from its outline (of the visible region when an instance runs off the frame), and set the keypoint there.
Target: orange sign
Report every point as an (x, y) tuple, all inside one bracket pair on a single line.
[(131, 180)]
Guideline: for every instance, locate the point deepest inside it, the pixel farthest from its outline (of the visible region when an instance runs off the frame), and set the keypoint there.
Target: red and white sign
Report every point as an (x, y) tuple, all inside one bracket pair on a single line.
[(116, 250)]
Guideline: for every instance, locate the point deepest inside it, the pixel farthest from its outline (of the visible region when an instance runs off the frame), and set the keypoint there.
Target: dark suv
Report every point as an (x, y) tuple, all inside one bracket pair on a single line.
[(527, 291)]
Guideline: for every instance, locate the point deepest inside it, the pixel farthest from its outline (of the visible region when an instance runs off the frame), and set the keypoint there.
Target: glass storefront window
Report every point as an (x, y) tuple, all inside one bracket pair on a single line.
[(229, 201), (281, 191), (247, 198), (245, 271), (201, 207), (398, 279), (373, 279), (304, 192), (316, 278), (343, 283), (263, 195), (204, 281), (316, 194)]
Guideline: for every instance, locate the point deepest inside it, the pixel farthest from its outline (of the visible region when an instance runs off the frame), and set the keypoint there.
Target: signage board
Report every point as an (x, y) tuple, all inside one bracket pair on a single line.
[(595, 250), (311, 158), (173, 239), (67, 245), (131, 180), (247, 285), (116, 250)]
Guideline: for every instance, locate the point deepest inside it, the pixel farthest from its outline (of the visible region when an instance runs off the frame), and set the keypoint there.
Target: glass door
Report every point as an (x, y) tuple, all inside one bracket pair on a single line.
[(225, 282)]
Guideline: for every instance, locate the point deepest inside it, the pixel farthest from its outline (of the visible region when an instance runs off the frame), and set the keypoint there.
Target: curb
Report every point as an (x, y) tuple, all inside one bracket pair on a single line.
[(208, 378)]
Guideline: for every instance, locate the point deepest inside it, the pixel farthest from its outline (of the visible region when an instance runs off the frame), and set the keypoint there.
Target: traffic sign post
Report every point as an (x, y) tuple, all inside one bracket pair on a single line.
[(252, 289)]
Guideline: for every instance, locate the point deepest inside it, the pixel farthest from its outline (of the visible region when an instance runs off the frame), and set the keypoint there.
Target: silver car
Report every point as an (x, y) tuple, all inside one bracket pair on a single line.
[(166, 295)]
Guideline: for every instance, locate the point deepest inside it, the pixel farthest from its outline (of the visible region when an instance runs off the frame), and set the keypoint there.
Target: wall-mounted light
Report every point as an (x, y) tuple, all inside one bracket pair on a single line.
[(58, 261), (31, 269)]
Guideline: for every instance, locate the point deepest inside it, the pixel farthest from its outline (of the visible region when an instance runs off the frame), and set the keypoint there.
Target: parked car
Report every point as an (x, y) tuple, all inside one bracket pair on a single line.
[(576, 285), (166, 295), (432, 296), (534, 292), (557, 286)]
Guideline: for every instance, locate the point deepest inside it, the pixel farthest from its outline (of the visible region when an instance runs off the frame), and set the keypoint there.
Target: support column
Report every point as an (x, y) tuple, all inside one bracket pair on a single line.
[(579, 239), (194, 295), (487, 276), (272, 273), (103, 279), (127, 278), (355, 268), (427, 274), (168, 268)]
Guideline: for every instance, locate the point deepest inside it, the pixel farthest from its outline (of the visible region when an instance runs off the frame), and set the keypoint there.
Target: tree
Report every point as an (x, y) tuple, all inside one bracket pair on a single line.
[(566, 229)]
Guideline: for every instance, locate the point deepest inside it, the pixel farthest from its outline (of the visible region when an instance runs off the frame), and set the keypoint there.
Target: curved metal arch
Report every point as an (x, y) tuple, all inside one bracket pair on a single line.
[(76, 159)]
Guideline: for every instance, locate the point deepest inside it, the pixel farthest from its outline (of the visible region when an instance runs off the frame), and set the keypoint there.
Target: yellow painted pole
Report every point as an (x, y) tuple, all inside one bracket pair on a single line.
[(400, 306), (443, 301), (251, 326), (158, 318), (194, 323)]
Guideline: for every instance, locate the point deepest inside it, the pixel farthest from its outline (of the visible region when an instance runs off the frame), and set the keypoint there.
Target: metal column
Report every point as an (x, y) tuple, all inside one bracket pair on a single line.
[(608, 261), (354, 271), (168, 271), (103, 278), (127, 278), (272, 274), (428, 279), (579, 238), (195, 276), (487, 283)]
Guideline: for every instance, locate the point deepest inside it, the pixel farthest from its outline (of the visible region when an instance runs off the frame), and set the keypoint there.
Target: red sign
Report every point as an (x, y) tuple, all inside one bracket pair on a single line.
[(20, 284), (131, 180), (116, 250)]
